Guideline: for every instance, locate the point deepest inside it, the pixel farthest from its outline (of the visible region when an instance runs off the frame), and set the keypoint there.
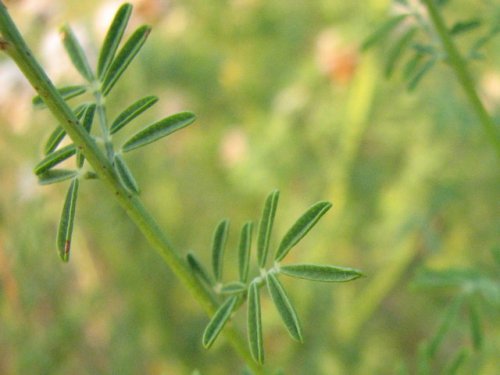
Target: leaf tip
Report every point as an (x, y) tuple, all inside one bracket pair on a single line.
[(207, 344), (65, 251), (355, 274)]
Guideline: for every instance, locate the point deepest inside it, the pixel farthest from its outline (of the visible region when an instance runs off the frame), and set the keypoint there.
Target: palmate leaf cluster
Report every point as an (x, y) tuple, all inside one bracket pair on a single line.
[(413, 44), (235, 293), (114, 58), (475, 292)]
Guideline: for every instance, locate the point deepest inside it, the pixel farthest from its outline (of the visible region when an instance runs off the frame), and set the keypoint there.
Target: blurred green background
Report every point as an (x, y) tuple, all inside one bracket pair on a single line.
[(284, 99)]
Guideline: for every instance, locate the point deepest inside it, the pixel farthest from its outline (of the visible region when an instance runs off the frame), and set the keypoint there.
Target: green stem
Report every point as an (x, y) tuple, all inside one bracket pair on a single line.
[(14, 45), (464, 77)]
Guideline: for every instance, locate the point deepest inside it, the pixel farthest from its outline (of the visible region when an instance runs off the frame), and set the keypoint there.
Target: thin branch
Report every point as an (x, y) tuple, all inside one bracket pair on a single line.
[(459, 66)]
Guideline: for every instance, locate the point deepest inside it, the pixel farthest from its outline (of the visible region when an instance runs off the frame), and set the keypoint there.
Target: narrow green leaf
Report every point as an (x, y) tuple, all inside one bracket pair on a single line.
[(54, 158), (254, 324), (482, 41), (447, 320), (284, 307), (316, 272), (488, 288), (234, 287), (199, 272), (55, 175), (132, 112), (395, 53), (457, 362), (301, 227), (464, 26), (76, 54), (125, 175), (244, 251), (65, 229), (80, 159), (159, 130), (113, 38), (59, 133), (424, 49), (54, 140), (88, 116), (419, 74), (218, 246), (125, 56), (266, 227), (218, 321), (382, 31), (198, 269), (475, 326), (70, 92), (411, 65), (89, 175), (87, 120), (67, 92), (426, 278)]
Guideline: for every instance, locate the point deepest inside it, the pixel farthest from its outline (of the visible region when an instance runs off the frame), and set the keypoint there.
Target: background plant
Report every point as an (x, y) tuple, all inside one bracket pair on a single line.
[(474, 292), (439, 46), (261, 82)]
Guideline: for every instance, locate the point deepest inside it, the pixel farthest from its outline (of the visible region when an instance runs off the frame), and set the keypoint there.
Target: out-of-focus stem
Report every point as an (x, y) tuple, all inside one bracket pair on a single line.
[(459, 66)]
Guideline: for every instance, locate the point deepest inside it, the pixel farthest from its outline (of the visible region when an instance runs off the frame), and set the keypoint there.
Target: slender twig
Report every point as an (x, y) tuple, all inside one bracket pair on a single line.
[(459, 66), (14, 45)]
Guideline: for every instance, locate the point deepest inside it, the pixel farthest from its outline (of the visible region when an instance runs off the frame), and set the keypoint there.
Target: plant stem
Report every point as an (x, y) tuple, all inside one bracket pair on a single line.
[(459, 65), (14, 45)]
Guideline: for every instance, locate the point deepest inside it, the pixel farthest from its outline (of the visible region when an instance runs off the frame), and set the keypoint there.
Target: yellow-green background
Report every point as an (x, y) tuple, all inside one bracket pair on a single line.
[(413, 181)]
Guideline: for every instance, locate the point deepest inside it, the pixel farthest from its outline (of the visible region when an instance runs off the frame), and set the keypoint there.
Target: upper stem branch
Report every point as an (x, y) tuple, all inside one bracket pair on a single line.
[(459, 65)]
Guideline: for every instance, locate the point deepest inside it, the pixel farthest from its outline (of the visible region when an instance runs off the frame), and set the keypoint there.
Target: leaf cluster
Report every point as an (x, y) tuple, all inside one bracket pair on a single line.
[(475, 292), (413, 42), (114, 58), (236, 292)]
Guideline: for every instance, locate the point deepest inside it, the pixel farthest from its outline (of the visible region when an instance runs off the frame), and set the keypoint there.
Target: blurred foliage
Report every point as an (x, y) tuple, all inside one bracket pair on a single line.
[(284, 100)]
